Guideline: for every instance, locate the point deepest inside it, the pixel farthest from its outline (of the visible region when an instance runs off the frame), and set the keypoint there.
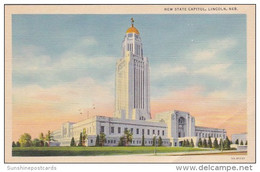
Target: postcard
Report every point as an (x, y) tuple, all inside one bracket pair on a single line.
[(130, 83)]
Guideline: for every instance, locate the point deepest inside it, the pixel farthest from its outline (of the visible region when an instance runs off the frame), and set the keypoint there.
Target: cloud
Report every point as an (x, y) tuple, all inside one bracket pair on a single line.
[(220, 108), (34, 65), (204, 55), (167, 70), (50, 107), (212, 50), (217, 70), (58, 88)]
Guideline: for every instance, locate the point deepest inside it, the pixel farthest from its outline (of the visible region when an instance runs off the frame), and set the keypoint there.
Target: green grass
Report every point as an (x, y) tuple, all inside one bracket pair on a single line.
[(95, 151)]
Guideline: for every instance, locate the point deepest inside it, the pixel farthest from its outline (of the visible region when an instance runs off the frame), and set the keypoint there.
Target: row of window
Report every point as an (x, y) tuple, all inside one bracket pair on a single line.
[(209, 135), (130, 47), (134, 142), (138, 88), (130, 35), (138, 49), (88, 131), (137, 131), (142, 118)]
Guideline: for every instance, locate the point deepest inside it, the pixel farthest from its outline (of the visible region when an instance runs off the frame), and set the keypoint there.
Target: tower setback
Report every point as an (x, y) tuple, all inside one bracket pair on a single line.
[(132, 79)]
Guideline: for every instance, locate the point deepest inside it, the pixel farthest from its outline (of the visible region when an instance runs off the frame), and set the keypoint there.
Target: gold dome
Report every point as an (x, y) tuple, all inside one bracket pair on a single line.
[(132, 30)]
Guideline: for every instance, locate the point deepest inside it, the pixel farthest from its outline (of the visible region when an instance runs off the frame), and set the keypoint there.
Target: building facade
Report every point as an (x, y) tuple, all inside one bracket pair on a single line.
[(239, 137), (132, 79), (132, 109)]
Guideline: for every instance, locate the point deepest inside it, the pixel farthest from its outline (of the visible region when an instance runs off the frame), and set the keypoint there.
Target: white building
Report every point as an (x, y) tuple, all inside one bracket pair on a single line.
[(132, 79), (132, 108), (239, 137)]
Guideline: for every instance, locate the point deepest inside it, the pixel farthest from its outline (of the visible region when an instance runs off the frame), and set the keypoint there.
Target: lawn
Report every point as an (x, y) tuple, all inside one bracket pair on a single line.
[(95, 151)]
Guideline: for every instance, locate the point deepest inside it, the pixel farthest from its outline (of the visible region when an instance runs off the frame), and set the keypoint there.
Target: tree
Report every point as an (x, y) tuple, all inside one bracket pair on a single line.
[(215, 144), (205, 143), (102, 139), (187, 143), (184, 143), (97, 140), (18, 144), (191, 143), (237, 142), (246, 143), (49, 137), (200, 143), (160, 141), (154, 140), (84, 137), (25, 140), (241, 142), (13, 144), (121, 141), (42, 138), (80, 139), (46, 144), (143, 140), (128, 137), (226, 143), (36, 142), (221, 144), (209, 142), (72, 142)]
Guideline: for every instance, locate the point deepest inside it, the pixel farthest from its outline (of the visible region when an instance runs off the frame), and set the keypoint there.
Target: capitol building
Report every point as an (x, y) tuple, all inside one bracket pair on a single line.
[(132, 108)]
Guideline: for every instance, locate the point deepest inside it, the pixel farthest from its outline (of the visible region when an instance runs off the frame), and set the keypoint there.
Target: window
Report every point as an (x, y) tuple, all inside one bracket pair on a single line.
[(108, 141), (119, 130), (102, 129), (163, 132), (112, 129), (142, 131), (153, 131), (91, 141), (137, 131), (158, 132), (125, 129), (132, 130), (148, 132)]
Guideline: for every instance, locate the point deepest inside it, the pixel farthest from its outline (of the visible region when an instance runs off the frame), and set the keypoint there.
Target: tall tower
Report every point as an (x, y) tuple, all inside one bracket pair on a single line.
[(132, 79)]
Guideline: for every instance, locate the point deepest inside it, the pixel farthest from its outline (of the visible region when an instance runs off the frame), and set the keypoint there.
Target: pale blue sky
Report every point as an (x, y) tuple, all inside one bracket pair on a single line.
[(208, 51)]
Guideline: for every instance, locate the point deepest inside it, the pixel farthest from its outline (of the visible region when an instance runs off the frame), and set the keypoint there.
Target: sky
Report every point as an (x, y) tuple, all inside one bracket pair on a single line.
[(64, 68)]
